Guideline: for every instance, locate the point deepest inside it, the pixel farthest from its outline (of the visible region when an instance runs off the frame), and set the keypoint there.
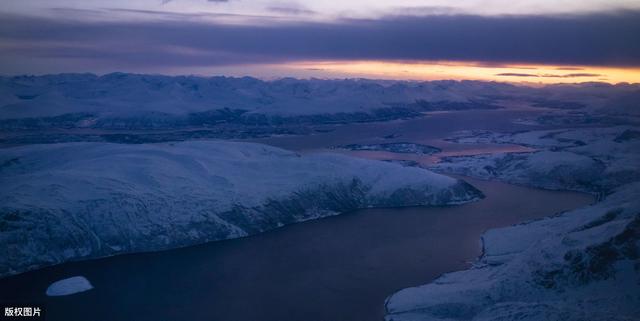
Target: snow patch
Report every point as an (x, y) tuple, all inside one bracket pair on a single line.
[(69, 286)]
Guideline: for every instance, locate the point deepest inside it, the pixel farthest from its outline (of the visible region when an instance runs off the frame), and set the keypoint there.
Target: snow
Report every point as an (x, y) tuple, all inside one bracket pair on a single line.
[(81, 200), (122, 95), (69, 286), (584, 159), (545, 169), (579, 265)]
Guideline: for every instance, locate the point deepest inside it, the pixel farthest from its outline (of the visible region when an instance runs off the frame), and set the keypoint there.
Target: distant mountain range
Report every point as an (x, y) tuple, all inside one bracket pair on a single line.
[(122, 100)]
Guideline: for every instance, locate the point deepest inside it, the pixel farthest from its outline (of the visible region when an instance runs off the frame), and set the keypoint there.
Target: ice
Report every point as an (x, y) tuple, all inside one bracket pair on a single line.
[(69, 286)]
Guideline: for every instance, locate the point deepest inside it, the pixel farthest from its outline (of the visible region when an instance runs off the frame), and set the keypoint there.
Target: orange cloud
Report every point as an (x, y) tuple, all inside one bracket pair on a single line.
[(459, 71)]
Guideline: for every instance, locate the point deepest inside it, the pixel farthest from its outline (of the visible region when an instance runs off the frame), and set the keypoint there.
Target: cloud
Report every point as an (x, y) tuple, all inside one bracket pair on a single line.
[(181, 16), (595, 39), (75, 11), (425, 10), (515, 74), (214, 1), (574, 75), (291, 9)]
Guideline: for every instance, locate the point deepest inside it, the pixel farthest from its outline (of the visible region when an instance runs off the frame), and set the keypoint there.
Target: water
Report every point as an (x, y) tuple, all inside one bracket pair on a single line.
[(433, 129), (338, 268), (430, 130)]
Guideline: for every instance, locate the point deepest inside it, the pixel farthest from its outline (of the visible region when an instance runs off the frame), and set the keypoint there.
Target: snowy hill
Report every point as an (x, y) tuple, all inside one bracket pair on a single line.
[(588, 159), (64, 202), (579, 265)]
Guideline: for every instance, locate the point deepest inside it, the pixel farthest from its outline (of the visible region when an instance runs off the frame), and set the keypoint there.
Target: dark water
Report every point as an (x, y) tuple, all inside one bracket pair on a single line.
[(338, 268)]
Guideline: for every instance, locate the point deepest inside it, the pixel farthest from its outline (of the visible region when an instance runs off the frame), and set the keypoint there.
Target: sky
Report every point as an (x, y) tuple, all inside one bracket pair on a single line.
[(503, 40)]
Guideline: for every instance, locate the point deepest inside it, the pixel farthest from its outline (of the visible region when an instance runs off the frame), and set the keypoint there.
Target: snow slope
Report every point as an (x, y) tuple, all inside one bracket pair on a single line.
[(579, 265), (64, 202)]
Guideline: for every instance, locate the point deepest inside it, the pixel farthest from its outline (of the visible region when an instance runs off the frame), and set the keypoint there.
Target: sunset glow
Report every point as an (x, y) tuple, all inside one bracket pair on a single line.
[(511, 41), (455, 70)]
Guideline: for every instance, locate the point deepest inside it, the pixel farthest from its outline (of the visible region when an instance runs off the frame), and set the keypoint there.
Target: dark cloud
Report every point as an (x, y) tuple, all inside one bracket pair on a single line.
[(83, 12), (583, 75), (515, 74), (597, 39), (572, 75)]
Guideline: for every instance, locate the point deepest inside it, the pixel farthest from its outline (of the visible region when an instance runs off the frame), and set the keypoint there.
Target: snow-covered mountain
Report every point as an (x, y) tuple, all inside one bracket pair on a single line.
[(121, 100), (190, 99), (579, 265), (71, 201)]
